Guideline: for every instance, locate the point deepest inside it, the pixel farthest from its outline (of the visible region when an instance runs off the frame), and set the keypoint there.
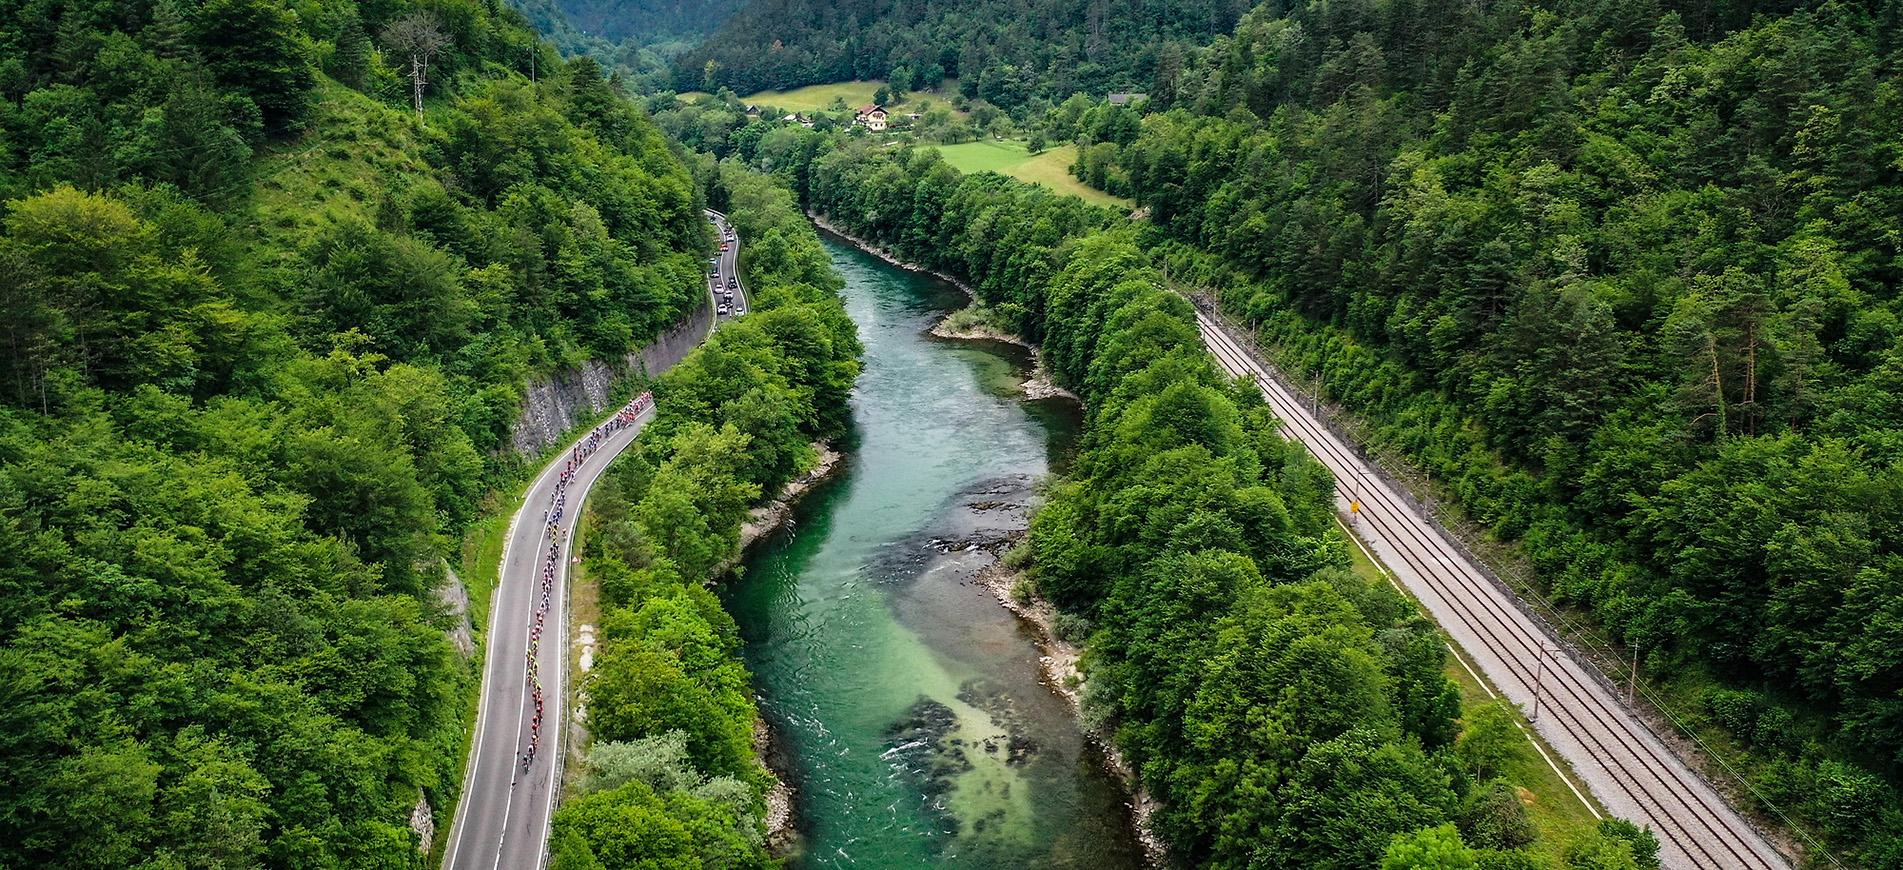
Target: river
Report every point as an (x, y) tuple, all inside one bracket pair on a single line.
[(906, 700)]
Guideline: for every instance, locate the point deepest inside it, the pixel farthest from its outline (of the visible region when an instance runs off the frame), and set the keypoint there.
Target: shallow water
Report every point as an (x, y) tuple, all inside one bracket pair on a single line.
[(906, 699)]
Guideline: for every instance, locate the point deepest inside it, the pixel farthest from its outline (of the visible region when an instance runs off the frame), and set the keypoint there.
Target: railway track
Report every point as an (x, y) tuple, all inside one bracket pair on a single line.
[(1626, 765)]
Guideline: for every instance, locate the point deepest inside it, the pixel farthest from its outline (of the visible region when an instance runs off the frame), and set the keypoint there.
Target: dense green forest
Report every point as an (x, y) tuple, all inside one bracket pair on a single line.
[(1006, 52), (673, 780), (648, 22), (1199, 544), (267, 320), (1623, 276), (636, 39)]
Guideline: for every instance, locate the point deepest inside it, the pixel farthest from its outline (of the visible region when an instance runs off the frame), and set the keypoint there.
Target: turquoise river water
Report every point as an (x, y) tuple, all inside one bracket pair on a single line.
[(909, 713)]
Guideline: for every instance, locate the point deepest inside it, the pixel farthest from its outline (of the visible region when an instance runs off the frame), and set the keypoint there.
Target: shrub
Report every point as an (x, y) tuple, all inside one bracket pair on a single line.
[(1023, 590), (1643, 843), (1489, 741), (1735, 710), (1493, 817), (1072, 628), (1017, 558)]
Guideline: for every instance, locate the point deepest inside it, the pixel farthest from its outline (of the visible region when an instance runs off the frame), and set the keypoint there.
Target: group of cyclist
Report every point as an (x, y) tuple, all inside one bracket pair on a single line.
[(551, 562)]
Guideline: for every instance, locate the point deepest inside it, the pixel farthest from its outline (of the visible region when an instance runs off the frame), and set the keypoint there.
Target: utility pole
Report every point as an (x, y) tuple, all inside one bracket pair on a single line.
[(1321, 382), (1632, 682)]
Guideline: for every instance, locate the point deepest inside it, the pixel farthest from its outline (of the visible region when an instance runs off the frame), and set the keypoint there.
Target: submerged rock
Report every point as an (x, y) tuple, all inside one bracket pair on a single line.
[(1018, 745), (918, 748)]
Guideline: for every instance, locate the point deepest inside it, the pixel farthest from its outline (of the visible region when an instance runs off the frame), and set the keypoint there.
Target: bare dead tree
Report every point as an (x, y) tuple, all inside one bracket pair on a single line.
[(419, 35)]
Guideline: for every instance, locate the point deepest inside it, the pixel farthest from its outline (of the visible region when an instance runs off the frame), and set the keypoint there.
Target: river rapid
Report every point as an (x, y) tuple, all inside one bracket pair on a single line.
[(906, 702)]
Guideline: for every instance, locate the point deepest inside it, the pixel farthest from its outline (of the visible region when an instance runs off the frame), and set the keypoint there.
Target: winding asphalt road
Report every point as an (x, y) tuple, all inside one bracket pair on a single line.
[(1618, 757), (730, 265), (503, 818)]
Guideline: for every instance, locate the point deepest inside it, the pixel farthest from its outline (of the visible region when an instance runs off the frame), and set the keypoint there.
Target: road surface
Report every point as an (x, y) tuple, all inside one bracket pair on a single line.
[(502, 820), (729, 266), (1619, 758)]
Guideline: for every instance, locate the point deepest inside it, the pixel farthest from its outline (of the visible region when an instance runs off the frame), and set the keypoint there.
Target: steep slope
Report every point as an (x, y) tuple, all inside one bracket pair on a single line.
[(266, 326), (1002, 50), (648, 22), (1624, 277), (633, 37)]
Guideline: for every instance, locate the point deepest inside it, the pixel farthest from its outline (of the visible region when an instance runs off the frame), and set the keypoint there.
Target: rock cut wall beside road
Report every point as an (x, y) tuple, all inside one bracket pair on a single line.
[(553, 405)]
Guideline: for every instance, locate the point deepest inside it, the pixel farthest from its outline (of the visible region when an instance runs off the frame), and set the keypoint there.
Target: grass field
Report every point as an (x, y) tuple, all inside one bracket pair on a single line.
[(355, 148), (1011, 157), (815, 98)]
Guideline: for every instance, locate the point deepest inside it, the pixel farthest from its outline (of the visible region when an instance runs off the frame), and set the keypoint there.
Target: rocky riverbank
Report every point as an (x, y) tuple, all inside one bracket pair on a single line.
[(766, 519), (887, 255), (1040, 385), (1059, 664), (782, 837)]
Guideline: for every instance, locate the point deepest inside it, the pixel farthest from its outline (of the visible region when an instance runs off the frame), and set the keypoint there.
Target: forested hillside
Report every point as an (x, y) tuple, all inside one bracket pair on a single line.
[(267, 320), (648, 22), (1624, 277), (1002, 50), (633, 37)]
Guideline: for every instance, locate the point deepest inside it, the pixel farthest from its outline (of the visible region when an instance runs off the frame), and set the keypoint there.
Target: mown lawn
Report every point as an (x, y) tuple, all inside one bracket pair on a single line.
[(1012, 157)]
